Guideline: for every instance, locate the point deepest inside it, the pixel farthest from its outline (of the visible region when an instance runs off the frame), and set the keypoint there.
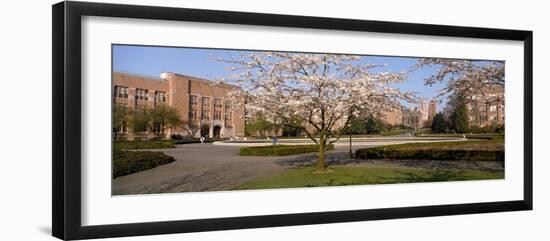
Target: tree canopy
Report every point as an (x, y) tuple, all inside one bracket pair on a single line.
[(322, 91)]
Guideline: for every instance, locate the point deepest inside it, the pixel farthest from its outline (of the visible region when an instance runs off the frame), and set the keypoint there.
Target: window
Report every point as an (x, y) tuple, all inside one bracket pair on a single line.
[(228, 115), (205, 114), (205, 101), (217, 115), (493, 108), (193, 100), (218, 103), (142, 94), (160, 97), (193, 114), (121, 92), (227, 110)]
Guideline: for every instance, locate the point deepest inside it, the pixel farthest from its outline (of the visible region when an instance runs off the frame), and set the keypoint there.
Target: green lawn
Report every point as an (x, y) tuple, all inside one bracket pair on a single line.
[(395, 132), (361, 175)]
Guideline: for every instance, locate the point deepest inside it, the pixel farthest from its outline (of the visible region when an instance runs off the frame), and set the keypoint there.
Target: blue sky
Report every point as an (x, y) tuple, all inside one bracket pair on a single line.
[(151, 61)]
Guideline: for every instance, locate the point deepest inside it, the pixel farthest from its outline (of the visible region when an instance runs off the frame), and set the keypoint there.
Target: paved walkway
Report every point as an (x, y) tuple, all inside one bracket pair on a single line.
[(202, 167), (205, 167)]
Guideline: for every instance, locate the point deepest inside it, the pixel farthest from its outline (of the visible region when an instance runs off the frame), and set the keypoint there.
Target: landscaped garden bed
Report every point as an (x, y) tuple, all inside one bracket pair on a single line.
[(480, 150), (128, 162), (279, 150), (133, 145)]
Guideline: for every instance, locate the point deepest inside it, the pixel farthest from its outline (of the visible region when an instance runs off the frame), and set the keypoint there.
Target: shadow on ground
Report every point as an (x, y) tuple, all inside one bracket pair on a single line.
[(342, 158)]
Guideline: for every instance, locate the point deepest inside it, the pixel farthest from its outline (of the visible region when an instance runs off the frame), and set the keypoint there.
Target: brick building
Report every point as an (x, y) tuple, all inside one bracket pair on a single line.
[(199, 101), (487, 107), (392, 117)]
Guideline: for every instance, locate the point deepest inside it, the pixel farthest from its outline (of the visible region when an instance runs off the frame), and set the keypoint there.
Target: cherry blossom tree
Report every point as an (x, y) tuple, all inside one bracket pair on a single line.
[(322, 91), (466, 77)]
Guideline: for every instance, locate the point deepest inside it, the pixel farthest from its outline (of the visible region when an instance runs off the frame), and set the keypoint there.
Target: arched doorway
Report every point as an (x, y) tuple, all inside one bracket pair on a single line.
[(217, 130), (205, 130)]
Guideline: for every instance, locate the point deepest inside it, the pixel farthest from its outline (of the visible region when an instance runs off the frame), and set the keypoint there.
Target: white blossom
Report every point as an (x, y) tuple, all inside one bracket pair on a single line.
[(324, 91)]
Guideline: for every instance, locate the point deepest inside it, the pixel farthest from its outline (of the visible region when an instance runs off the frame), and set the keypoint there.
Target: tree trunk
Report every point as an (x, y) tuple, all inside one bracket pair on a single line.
[(321, 161)]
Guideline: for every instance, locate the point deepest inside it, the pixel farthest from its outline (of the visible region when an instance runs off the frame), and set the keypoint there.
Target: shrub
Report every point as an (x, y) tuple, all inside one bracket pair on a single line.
[(469, 155), (196, 140), (187, 141), (129, 145), (279, 150), (128, 162)]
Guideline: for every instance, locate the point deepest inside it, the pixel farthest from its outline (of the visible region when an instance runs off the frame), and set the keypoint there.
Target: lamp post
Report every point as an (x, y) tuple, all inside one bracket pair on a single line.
[(350, 149)]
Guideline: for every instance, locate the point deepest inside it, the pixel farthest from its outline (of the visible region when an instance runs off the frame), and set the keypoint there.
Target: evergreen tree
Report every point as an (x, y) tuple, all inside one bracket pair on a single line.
[(373, 125), (357, 126), (439, 124), (459, 116)]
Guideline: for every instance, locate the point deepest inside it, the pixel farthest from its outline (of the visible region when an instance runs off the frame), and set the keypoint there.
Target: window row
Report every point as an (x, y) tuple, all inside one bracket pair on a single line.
[(205, 115), (205, 101), (141, 94)]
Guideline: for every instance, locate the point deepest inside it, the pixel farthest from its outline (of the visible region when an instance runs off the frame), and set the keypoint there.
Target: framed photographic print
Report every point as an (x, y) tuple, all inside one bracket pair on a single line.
[(171, 120)]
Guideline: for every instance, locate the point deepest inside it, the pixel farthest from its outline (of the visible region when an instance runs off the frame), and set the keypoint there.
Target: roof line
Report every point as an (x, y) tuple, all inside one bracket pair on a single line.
[(138, 75)]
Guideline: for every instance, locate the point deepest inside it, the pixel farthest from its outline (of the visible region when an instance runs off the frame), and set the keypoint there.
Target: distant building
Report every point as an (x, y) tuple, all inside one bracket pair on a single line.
[(392, 117), (487, 107), (421, 115), (197, 100), (432, 110), (423, 109), (412, 117)]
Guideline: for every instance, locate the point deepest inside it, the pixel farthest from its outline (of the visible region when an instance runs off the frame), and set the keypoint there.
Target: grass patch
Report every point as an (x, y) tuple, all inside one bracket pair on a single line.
[(486, 136), (134, 145), (357, 175), (128, 162), (394, 132), (196, 140), (279, 150), (477, 150)]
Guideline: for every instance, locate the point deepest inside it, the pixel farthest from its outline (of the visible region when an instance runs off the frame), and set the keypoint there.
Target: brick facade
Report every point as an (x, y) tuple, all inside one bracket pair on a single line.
[(200, 101), (392, 117), (487, 107)]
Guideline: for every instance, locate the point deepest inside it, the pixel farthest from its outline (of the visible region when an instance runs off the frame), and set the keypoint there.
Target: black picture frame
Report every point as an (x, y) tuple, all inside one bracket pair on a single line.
[(66, 75)]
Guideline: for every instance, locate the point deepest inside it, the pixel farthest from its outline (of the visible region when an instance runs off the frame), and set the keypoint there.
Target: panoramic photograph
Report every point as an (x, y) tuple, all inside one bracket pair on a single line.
[(202, 119)]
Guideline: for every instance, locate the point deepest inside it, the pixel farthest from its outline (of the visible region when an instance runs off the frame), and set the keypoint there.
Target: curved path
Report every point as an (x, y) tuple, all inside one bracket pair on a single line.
[(344, 141), (209, 167)]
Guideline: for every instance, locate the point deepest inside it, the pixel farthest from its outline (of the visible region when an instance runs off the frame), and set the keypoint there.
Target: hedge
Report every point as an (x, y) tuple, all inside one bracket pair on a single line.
[(129, 145), (468, 155), (128, 162), (196, 140), (279, 150)]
